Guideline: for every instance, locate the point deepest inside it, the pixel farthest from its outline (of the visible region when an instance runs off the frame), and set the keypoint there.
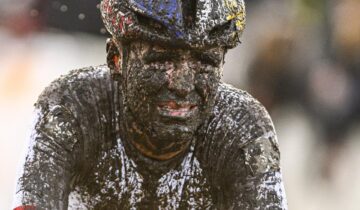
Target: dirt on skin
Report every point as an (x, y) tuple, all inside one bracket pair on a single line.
[(80, 158), (156, 129), (168, 94)]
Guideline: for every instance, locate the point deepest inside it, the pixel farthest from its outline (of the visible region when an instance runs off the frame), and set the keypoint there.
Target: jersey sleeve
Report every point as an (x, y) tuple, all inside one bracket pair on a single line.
[(241, 154), (252, 166), (44, 181), (257, 179)]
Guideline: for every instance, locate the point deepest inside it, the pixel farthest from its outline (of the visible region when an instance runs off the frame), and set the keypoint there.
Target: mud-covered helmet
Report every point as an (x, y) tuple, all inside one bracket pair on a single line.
[(194, 23)]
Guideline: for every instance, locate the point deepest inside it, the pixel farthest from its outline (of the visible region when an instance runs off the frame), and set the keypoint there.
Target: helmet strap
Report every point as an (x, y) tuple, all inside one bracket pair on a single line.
[(113, 59)]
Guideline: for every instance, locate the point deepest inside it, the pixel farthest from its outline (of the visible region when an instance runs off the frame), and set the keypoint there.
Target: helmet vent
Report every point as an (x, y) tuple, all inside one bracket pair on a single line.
[(189, 12), (150, 23), (221, 29)]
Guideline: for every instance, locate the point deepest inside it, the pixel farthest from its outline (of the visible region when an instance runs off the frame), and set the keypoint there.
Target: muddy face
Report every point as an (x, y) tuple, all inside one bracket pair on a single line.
[(168, 94)]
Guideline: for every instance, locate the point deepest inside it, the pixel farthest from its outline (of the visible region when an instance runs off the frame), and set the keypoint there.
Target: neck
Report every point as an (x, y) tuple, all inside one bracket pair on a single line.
[(151, 163), (158, 153), (150, 147)]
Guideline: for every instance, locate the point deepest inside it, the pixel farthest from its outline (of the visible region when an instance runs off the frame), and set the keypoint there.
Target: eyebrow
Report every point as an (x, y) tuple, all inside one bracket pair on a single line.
[(154, 56), (209, 57)]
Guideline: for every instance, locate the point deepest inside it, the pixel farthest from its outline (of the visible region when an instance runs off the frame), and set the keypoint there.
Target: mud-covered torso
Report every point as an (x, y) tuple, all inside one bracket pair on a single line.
[(233, 162), (118, 182), (107, 177)]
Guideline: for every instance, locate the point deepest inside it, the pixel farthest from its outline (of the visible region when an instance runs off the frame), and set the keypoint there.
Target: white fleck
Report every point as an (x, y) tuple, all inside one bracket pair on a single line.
[(81, 16), (64, 8), (103, 31)]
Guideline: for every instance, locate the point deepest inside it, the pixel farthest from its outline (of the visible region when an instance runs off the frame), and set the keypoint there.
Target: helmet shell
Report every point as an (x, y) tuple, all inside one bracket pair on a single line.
[(194, 23)]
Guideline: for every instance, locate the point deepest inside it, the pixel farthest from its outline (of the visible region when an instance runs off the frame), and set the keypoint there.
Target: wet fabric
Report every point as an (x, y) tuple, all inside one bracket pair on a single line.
[(78, 157)]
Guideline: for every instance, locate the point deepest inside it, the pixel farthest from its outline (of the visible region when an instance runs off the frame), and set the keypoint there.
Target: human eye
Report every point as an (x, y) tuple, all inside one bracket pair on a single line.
[(211, 59), (162, 58)]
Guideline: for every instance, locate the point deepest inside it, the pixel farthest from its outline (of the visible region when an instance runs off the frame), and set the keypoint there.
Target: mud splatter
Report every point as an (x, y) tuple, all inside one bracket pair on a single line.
[(78, 149)]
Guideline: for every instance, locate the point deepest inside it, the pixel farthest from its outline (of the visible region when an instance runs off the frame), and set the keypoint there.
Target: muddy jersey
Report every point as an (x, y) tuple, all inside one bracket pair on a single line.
[(78, 158)]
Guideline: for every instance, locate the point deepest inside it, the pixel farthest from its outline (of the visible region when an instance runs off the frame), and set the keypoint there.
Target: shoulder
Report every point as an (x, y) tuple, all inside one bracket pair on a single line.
[(232, 99), (240, 139), (241, 130), (75, 107), (79, 84), (237, 113)]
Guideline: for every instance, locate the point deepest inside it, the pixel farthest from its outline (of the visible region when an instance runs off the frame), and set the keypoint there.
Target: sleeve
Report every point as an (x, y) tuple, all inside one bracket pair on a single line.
[(241, 154), (44, 181), (257, 180)]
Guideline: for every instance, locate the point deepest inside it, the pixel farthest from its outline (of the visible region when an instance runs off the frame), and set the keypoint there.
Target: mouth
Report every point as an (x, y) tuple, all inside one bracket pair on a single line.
[(174, 110)]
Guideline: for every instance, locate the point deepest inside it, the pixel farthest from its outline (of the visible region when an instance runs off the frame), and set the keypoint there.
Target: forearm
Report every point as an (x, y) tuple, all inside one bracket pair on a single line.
[(265, 192), (45, 178)]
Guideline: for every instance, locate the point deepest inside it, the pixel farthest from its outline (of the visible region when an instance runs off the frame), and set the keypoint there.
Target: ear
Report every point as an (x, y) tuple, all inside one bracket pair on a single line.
[(113, 57)]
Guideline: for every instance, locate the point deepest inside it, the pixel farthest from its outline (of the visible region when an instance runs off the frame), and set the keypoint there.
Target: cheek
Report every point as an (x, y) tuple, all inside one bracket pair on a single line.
[(154, 81), (206, 84), (151, 78), (142, 89), (139, 104), (135, 90)]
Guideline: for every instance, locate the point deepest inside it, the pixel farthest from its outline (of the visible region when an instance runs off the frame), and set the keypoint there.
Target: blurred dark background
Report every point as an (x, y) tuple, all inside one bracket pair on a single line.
[(300, 58)]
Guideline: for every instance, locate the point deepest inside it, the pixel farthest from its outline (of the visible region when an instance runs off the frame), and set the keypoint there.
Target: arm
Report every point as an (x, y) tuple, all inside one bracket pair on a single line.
[(256, 177), (45, 179), (245, 175), (241, 154)]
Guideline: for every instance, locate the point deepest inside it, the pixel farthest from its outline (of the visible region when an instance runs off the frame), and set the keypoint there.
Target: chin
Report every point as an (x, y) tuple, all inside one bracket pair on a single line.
[(173, 133)]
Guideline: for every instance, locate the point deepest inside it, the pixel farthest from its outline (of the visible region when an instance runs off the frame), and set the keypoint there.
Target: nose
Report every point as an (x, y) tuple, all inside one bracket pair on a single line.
[(181, 79)]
